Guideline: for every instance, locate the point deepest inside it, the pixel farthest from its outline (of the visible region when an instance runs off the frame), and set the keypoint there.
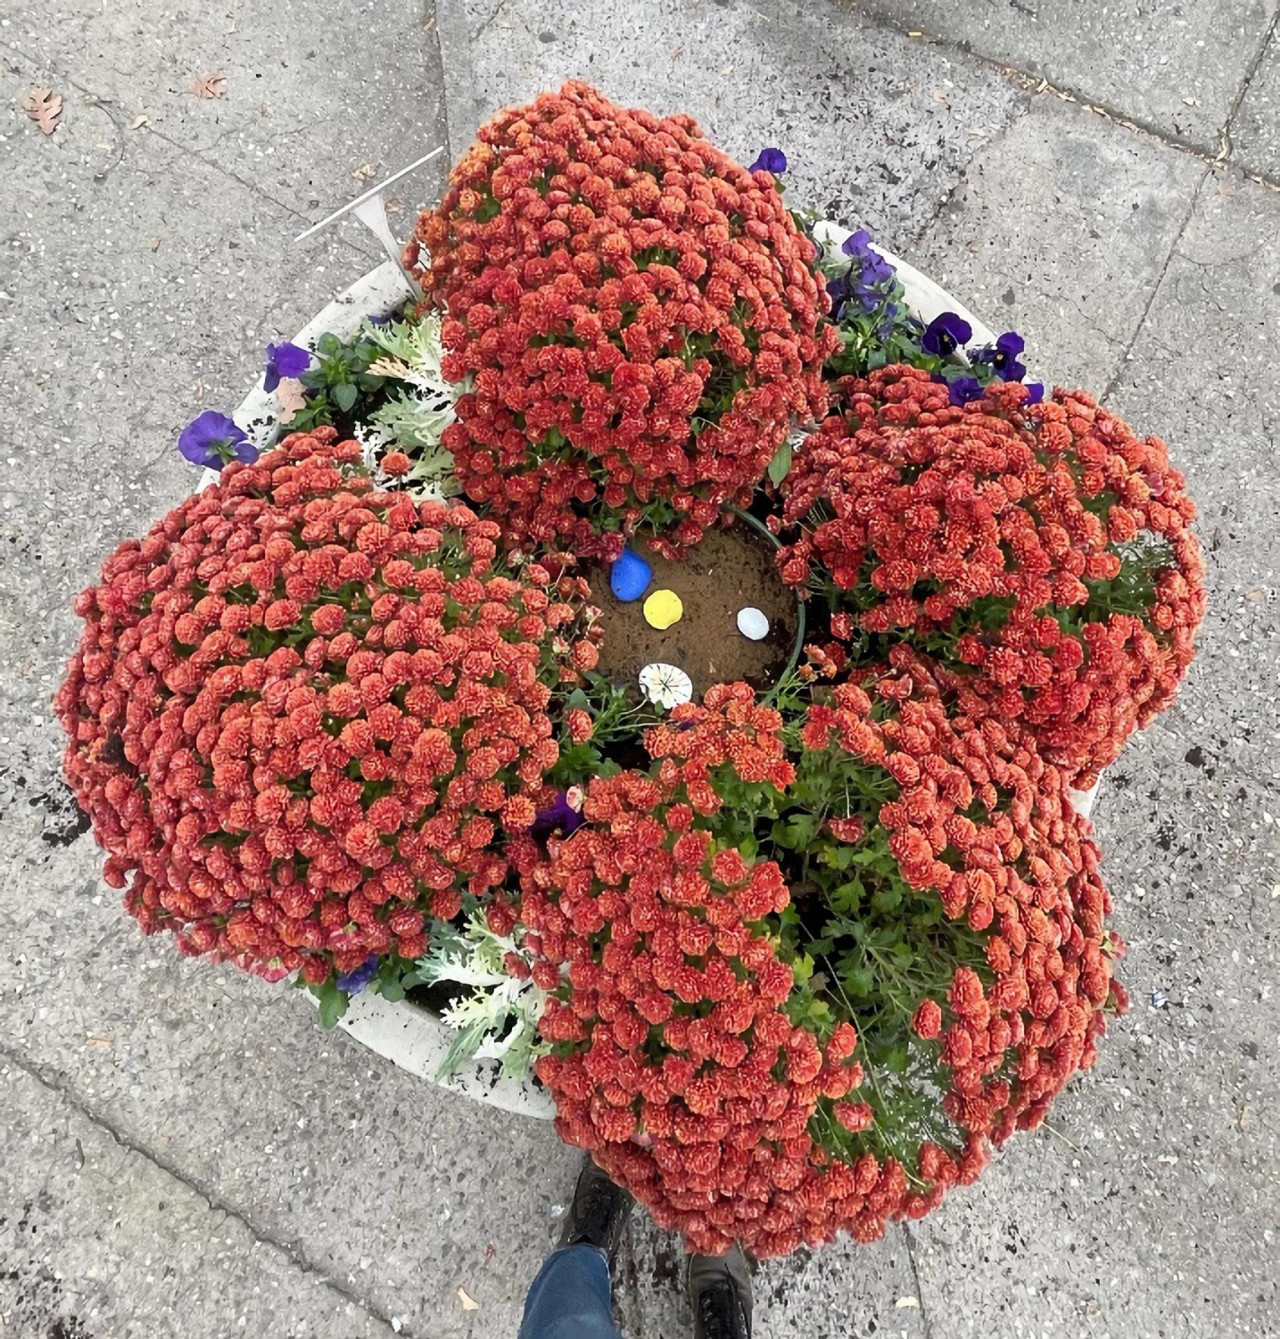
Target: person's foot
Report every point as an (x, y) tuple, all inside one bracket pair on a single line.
[(598, 1212), (720, 1294)]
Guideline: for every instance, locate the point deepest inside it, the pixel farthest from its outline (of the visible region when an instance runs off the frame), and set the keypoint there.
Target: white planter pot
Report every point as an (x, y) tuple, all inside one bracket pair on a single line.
[(924, 297), (406, 1034)]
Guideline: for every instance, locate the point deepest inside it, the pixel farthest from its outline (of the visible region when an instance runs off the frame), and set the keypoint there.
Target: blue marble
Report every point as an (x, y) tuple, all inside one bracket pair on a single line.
[(629, 577)]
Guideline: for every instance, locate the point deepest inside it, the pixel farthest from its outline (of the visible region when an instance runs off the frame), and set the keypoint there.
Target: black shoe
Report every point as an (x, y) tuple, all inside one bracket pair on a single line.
[(598, 1212), (720, 1294)]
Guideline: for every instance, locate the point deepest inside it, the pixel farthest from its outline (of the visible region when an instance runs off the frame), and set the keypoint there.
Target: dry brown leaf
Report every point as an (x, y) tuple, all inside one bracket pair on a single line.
[(290, 397), (155, 242), (44, 107), (389, 367), (212, 84), (365, 172), (469, 1303)]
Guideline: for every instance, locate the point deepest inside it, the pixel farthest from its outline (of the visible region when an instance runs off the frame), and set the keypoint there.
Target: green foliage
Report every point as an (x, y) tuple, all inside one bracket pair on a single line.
[(333, 1002), (415, 426), (405, 405), (337, 382), (618, 726)]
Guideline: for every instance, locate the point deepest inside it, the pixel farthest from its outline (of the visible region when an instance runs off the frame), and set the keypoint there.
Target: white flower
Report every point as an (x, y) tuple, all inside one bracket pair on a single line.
[(666, 686)]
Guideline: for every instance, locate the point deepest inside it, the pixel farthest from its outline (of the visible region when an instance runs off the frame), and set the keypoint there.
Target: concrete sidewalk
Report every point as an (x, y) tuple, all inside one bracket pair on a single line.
[(186, 1154)]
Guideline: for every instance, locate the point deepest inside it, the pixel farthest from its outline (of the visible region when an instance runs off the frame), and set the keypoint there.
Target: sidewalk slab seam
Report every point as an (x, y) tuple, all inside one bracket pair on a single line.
[(292, 1251)]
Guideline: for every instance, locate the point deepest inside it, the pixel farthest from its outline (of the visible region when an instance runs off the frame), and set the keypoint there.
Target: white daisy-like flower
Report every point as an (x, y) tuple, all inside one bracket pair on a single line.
[(666, 686)]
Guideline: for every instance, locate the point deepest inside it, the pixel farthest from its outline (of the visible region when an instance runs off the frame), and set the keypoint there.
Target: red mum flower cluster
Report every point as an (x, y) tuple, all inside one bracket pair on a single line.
[(1023, 873), (303, 714), (681, 1072), (729, 727), (1048, 542), (678, 1064), (639, 314)]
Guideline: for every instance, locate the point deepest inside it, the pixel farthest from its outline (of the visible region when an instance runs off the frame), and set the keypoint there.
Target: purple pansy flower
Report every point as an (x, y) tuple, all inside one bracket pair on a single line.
[(770, 160), (857, 243), (213, 440), (964, 389), (561, 814), (875, 269), (864, 280), (354, 982), (838, 292), (1003, 356), (945, 334), (284, 360), (1035, 391)]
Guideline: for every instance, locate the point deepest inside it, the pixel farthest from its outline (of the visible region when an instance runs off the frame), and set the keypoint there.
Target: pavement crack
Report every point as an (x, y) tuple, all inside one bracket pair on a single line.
[(485, 24), (214, 166), (105, 104), (1114, 381), (293, 1251), (1034, 83), (915, 1275), (1246, 83)]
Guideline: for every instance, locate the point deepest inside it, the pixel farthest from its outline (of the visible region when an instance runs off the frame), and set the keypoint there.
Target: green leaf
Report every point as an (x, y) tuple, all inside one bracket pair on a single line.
[(837, 857), (780, 465), (344, 396), (333, 1003), (796, 832), (888, 898), (803, 969), (859, 981)]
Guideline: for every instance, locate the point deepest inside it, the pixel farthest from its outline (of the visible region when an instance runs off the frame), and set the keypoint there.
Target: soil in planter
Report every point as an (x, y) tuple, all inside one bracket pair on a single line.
[(725, 571)]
